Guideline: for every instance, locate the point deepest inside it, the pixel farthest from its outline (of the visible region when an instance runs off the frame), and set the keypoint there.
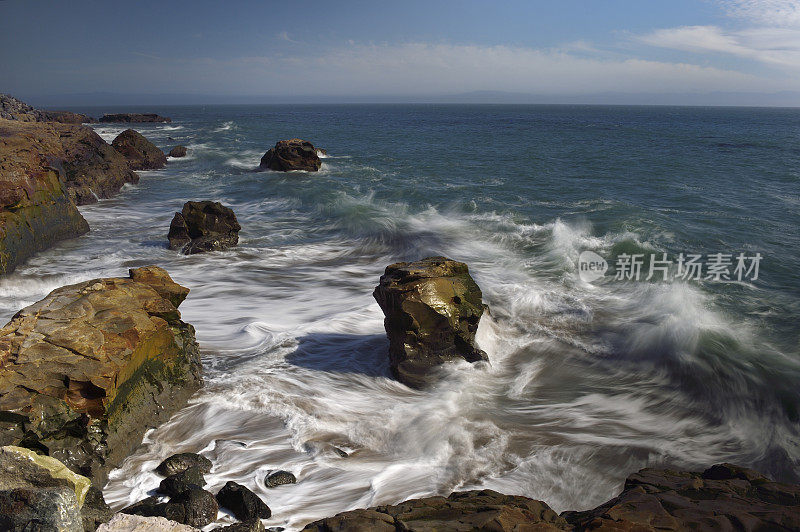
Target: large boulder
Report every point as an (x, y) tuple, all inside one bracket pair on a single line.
[(194, 507), (133, 117), (462, 511), (88, 369), (432, 308), (292, 154), (140, 153), (178, 463), (179, 482), (242, 502), (39, 492), (723, 497), (203, 226), (178, 151)]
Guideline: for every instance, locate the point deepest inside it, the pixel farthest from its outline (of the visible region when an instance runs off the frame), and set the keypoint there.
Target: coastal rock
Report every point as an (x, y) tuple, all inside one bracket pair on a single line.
[(95, 511), (252, 525), (279, 478), (243, 503), (292, 154), (140, 153), (176, 484), (194, 507), (178, 151), (133, 117), (88, 369), (35, 209), (723, 497), (14, 109), (432, 308), (67, 117), (39, 492), (461, 511), (178, 463), (203, 226), (137, 523)]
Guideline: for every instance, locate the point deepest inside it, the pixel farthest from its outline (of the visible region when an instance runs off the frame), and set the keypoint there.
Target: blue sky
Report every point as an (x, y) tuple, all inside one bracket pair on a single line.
[(411, 48)]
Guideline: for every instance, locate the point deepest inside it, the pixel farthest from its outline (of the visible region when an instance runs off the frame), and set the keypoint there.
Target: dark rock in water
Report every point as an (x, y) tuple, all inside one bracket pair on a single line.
[(243, 503), (178, 151), (279, 478), (125, 362), (133, 117), (341, 452), (203, 226), (252, 525), (176, 484), (463, 511), (723, 497), (178, 463), (293, 154), (39, 493), (432, 308), (95, 511), (140, 153), (149, 507), (194, 507)]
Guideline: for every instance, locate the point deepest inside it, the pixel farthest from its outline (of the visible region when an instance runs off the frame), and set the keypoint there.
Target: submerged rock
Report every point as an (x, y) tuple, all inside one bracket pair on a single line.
[(178, 151), (432, 308), (39, 492), (243, 503), (203, 226), (140, 153), (292, 154), (88, 369), (133, 117), (176, 484), (461, 511), (279, 478), (178, 463)]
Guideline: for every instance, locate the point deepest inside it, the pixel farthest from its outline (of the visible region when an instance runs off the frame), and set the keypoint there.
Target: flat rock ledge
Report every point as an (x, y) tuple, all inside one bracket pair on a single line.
[(432, 308), (88, 369), (134, 117), (723, 497)]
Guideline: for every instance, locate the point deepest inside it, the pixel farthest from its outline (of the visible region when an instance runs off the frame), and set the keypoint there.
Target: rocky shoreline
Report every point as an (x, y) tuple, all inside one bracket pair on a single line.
[(88, 369)]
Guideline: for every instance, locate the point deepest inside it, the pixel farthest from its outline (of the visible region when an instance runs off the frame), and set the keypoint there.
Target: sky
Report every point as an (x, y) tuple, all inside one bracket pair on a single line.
[(651, 51)]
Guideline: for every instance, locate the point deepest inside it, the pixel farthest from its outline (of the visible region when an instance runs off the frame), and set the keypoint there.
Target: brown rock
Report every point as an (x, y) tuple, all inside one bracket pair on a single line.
[(203, 226), (178, 151), (88, 369), (293, 154), (134, 117), (432, 308), (140, 152), (14, 109), (67, 117)]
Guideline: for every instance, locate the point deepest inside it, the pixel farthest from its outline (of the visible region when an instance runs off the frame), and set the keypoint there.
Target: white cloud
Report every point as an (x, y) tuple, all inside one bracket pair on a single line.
[(777, 13)]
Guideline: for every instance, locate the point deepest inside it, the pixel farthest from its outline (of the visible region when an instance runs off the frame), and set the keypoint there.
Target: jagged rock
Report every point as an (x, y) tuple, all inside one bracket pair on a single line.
[(95, 511), (194, 507), (137, 523), (279, 478), (140, 153), (178, 463), (293, 154), (723, 497), (243, 503), (134, 117), (39, 492), (88, 369), (461, 511), (14, 109), (176, 484), (178, 151), (203, 226), (432, 308)]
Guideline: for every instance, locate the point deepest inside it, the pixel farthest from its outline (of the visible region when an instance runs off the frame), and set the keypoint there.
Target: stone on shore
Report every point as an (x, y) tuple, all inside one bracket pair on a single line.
[(140, 153), (242, 502), (88, 369), (178, 151), (432, 308), (138, 523), (203, 226), (178, 463), (292, 154), (133, 117)]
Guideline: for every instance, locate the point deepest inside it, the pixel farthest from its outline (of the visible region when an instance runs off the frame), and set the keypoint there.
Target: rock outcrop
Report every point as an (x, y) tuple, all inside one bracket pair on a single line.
[(138, 523), (292, 154), (178, 151), (133, 117), (14, 109), (432, 308), (67, 117), (242, 502), (203, 226), (194, 507), (140, 153), (461, 511), (88, 369), (723, 497)]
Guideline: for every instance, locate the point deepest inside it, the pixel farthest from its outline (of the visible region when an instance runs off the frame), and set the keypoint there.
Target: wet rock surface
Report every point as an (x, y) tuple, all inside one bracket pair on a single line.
[(176, 484), (133, 117), (242, 502), (88, 369), (432, 308), (292, 154), (140, 153), (203, 226), (177, 463), (279, 478)]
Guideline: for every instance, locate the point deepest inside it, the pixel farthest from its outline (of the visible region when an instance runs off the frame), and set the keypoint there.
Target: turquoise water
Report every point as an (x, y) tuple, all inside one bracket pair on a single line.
[(588, 381)]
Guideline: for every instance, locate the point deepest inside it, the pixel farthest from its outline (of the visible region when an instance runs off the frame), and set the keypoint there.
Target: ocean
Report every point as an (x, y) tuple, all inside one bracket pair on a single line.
[(590, 380)]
